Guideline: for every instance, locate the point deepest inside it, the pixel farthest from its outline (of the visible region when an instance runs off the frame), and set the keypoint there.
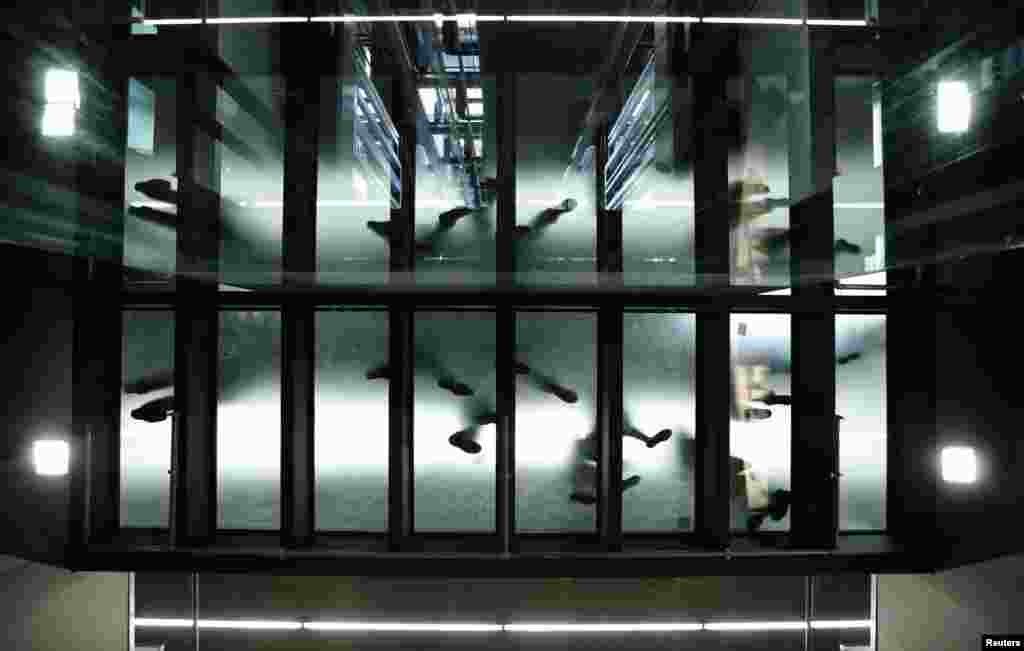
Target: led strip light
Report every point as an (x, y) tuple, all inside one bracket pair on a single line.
[(461, 627), (537, 18)]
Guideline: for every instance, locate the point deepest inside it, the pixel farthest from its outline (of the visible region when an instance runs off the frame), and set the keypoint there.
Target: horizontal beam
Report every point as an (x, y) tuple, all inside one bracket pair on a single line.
[(654, 298), (857, 554)]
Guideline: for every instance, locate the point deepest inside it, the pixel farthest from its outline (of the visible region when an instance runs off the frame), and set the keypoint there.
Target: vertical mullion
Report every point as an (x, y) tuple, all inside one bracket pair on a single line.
[(506, 316), (814, 446), (711, 257), (609, 355), (299, 260), (401, 333), (196, 325), (97, 317)]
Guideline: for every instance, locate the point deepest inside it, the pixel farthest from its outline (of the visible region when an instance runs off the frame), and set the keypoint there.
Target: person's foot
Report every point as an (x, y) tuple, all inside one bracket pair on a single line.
[(568, 205), (661, 436), (563, 394), (464, 442), (583, 498), (846, 359), (630, 482), (458, 388), (755, 413), (521, 369), (754, 522), (380, 228), (845, 246), (154, 411), (382, 372), (158, 189), (775, 399)]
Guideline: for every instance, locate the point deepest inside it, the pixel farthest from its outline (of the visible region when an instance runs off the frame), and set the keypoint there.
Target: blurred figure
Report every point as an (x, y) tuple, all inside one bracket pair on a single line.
[(542, 221), (547, 384), (585, 472), (748, 387), (762, 502), (478, 413), (426, 360)]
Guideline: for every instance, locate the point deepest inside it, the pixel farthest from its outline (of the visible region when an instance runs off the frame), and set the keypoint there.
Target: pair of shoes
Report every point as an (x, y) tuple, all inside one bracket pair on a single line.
[(754, 413), (661, 436), (846, 359), (845, 246), (565, 395), (463, 441), (775, 399)]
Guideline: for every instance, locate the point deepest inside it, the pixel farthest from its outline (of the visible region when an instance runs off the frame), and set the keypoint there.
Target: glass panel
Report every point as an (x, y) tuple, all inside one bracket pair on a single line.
[(861, 401), (555, 206), (454, 453), (148, 388), (763, 126), (249, 155), (555, 421), (841, 597), (249, 421), (150, 222), (760, 433), (351, 421), (353, 193), (858, 185), (659, 394), (163, 595)]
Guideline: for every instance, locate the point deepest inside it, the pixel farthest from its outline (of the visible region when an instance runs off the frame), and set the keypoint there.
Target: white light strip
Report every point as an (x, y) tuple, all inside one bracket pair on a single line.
[(831, 22), (401, 627), (538, 18), (281, 625), (172, 21), (740, 20), (372, 19), (249, 625), (602, 628), (257, 21), (756, 626), (864, 205), (826, 625), (158, 622)]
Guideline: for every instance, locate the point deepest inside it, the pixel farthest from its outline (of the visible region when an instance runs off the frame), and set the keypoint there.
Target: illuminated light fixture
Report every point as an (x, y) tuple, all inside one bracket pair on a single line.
[(402, 627), (438, 21), (833, 625), (860, 205), (157, 622), (603, 628), (959, 465), (256, 21), (742, 20), (51, 457), (370, 19), (172, 21), (876, 126), (465, 21), (249, 625), (756, 626), (602, 19), (63, 99), (954, 106), (832, 22)]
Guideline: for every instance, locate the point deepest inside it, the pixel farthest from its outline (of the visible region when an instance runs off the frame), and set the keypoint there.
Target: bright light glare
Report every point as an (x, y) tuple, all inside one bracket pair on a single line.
[(740, 20), (157, 622), (756, 626), (172, 21), (256, 21), (959, 465), (400, 626), (249, 625), (62, 87), (954, 106), (853, 623), (51, 457), (602, 628), (58, 120), (831, 22)]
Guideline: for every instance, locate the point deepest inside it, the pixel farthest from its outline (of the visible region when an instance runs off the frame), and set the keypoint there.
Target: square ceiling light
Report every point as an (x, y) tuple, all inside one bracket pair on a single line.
[(959, 464), (51, 457), (954, 106)]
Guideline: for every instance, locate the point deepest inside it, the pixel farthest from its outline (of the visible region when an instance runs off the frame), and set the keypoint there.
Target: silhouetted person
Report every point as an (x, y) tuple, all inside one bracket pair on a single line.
[(426, 360), (446, 221), (547, 384), (585, 473), (479, 413)]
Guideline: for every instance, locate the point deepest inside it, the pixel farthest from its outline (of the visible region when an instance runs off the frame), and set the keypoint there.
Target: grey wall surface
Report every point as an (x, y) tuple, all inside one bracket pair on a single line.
[(952, 609), (51, 609)]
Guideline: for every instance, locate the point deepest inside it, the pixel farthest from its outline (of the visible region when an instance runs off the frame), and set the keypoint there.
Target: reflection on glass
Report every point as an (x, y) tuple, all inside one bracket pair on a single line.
[(454, 420), (354, 194), (146, 418), (861, 401), (555, 421), (555, 205), (351, 421), (150, 223), (249, 420), (858, 185), (840, 597), (760, 431), (660, 414)]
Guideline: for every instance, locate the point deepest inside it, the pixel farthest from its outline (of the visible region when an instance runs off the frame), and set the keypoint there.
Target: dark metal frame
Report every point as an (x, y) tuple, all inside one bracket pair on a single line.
[(196, 303)]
